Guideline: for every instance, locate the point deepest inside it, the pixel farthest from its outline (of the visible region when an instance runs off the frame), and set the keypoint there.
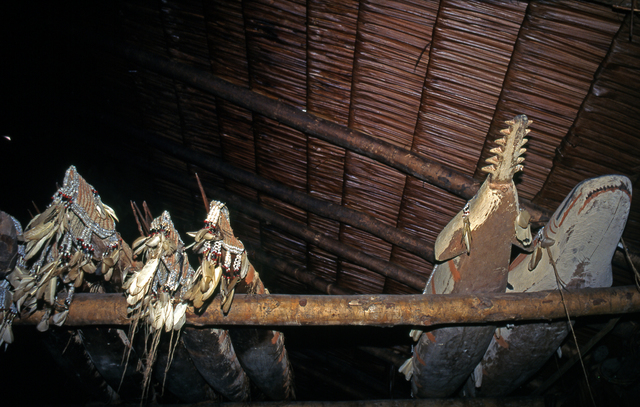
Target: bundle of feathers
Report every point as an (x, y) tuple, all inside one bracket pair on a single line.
[(156, 293), (71, 244), (224, 259)]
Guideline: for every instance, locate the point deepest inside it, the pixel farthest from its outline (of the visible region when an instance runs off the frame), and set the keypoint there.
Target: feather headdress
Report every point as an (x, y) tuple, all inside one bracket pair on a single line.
[(156, 293), (74, 237), (224, 259)]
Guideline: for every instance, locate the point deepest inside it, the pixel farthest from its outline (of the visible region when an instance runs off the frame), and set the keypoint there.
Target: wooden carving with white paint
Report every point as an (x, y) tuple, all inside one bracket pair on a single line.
[(473, 254), (580, 240), (261, 352)]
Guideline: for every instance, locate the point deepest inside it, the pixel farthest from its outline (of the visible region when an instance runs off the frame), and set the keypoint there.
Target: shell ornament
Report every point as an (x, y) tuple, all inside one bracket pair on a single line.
[(156, 293), (72, 244), (224, 259)]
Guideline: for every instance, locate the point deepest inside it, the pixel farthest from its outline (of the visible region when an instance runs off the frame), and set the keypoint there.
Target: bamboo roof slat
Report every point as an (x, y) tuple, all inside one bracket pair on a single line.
[(161, 112), (184, 209), (325, 170), (465, 79), (276, 50), (388, 72), (359, 279), (592, 131), (279, 242), (569, 36), (605, 137), (276, 38), (184, 28), (238, 145), (280, 156), (228, 59), (227, 40), (320, 262), (410, 261), (606, 87), (313, 282), (362, 176), (382, 72), (425, 211), (226, 43), (331, 35)]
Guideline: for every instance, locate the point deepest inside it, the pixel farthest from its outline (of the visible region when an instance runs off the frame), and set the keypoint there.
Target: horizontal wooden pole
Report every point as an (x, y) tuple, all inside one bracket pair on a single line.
[(375, 148), (459, 402), (374, 310), (347, 252), (302, 200)]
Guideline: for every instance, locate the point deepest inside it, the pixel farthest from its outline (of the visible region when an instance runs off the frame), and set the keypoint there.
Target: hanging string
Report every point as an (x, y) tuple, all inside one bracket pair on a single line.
[(575, 339)]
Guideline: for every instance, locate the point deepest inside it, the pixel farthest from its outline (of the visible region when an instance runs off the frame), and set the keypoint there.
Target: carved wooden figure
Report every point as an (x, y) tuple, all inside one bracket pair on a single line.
[(474, 251), (261, 352), (578, 241)]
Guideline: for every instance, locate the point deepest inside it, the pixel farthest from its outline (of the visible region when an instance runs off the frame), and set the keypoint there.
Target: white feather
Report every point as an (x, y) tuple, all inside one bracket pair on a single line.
[(179, 316), (7, 334), (407, 369), (111, 212), (168, 317), (217, 273), (59, 318), (144, 276), (157, 314)]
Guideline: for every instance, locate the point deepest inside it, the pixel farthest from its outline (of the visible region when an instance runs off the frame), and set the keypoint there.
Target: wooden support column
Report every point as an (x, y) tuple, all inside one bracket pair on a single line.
[(374, 310)]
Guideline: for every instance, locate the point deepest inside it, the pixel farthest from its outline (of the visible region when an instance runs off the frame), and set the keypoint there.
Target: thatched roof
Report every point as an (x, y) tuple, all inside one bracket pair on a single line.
[(437, 78)]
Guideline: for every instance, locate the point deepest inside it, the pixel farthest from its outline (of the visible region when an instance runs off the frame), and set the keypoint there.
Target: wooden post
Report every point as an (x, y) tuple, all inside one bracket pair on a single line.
[(374, 310)]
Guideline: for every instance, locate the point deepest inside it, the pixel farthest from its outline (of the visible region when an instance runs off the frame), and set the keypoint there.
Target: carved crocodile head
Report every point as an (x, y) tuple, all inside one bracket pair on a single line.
[(474, 250), (582, 236), (507, 159), (495, 201)]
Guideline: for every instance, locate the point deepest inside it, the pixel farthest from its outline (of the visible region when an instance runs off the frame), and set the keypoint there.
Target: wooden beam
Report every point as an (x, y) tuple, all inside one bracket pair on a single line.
[(319, 207), (374, 310), (301, 230), (377, 149), (460, 402)]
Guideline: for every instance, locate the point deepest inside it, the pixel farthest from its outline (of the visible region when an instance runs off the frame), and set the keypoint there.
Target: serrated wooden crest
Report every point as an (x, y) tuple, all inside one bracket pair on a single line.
[(507, 159)]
